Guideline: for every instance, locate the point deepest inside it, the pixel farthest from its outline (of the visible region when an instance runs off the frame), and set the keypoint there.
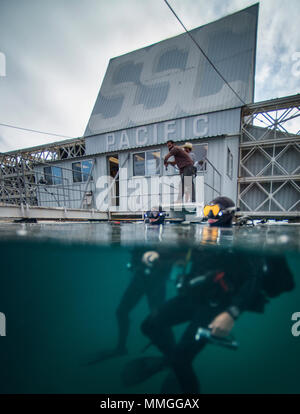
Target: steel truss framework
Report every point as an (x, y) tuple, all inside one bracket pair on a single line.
[(17, 173), (269, 168)]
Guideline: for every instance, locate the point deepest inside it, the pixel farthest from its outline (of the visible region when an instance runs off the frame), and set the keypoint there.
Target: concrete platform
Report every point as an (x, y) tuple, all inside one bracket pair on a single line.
[(11, 212)]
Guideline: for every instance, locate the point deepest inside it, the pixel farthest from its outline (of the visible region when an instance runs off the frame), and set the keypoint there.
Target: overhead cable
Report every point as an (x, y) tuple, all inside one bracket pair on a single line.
[(204, 54)]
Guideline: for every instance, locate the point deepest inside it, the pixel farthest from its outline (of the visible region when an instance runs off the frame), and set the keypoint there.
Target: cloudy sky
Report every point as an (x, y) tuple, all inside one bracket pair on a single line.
[(54, 54)]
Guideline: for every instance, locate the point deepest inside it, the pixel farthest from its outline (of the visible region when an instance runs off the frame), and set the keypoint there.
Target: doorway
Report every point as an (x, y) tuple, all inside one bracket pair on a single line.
[(113, 172)]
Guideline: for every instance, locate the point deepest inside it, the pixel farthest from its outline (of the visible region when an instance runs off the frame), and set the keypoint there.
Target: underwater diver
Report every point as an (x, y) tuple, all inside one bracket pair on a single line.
[(213, 299), (217, 287), (150, 270)]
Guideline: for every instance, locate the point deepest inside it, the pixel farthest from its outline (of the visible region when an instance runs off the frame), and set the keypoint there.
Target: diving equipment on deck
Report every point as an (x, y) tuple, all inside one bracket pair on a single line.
[(190, 212)]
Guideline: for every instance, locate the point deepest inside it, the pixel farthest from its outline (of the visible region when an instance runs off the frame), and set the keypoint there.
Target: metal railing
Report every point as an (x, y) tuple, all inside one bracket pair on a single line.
[(116, 199), (25, 182), (216, 178)]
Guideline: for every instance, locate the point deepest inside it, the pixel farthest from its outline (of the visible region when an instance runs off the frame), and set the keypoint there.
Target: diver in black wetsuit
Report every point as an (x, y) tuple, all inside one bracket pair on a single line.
[(214, 300), (213, 294), (156, 216), (220, 212), (150, 272)]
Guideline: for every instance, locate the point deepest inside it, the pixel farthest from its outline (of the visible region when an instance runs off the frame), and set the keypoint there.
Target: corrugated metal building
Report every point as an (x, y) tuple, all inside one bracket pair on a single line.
[(165, 91)]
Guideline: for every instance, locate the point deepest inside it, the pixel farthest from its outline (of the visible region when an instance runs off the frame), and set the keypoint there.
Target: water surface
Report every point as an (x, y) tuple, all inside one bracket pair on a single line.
[(60, 286)]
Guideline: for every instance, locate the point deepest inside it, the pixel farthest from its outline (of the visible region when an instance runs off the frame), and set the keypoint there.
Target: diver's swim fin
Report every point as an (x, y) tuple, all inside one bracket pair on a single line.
[(107, 354), (170, 384), (140, 369)]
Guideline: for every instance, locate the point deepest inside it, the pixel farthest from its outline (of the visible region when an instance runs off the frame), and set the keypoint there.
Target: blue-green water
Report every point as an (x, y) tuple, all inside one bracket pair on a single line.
[(60, 286)]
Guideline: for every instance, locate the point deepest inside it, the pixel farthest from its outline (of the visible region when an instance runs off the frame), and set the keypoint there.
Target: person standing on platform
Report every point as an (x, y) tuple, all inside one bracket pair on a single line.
[(186, 167)]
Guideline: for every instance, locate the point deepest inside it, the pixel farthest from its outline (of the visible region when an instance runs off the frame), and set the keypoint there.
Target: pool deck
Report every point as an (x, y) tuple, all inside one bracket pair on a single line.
[(14, 212)]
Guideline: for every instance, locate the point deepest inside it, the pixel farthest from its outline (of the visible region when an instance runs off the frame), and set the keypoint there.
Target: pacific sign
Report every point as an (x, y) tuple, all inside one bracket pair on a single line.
[(152, 134), (207, 125)]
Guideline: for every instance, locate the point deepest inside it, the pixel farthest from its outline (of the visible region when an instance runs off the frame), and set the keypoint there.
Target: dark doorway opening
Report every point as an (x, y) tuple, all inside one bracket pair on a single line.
[(113, 171)]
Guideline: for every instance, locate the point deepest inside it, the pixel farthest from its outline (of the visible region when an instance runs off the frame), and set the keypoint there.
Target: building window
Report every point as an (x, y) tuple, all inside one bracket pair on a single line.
[(199, 157), (229, 163), (53, 175), (146, 163), (81, 171)]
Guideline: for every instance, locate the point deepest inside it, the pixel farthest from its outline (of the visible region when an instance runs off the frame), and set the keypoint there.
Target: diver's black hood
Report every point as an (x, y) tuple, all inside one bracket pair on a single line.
[(224, 202)]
